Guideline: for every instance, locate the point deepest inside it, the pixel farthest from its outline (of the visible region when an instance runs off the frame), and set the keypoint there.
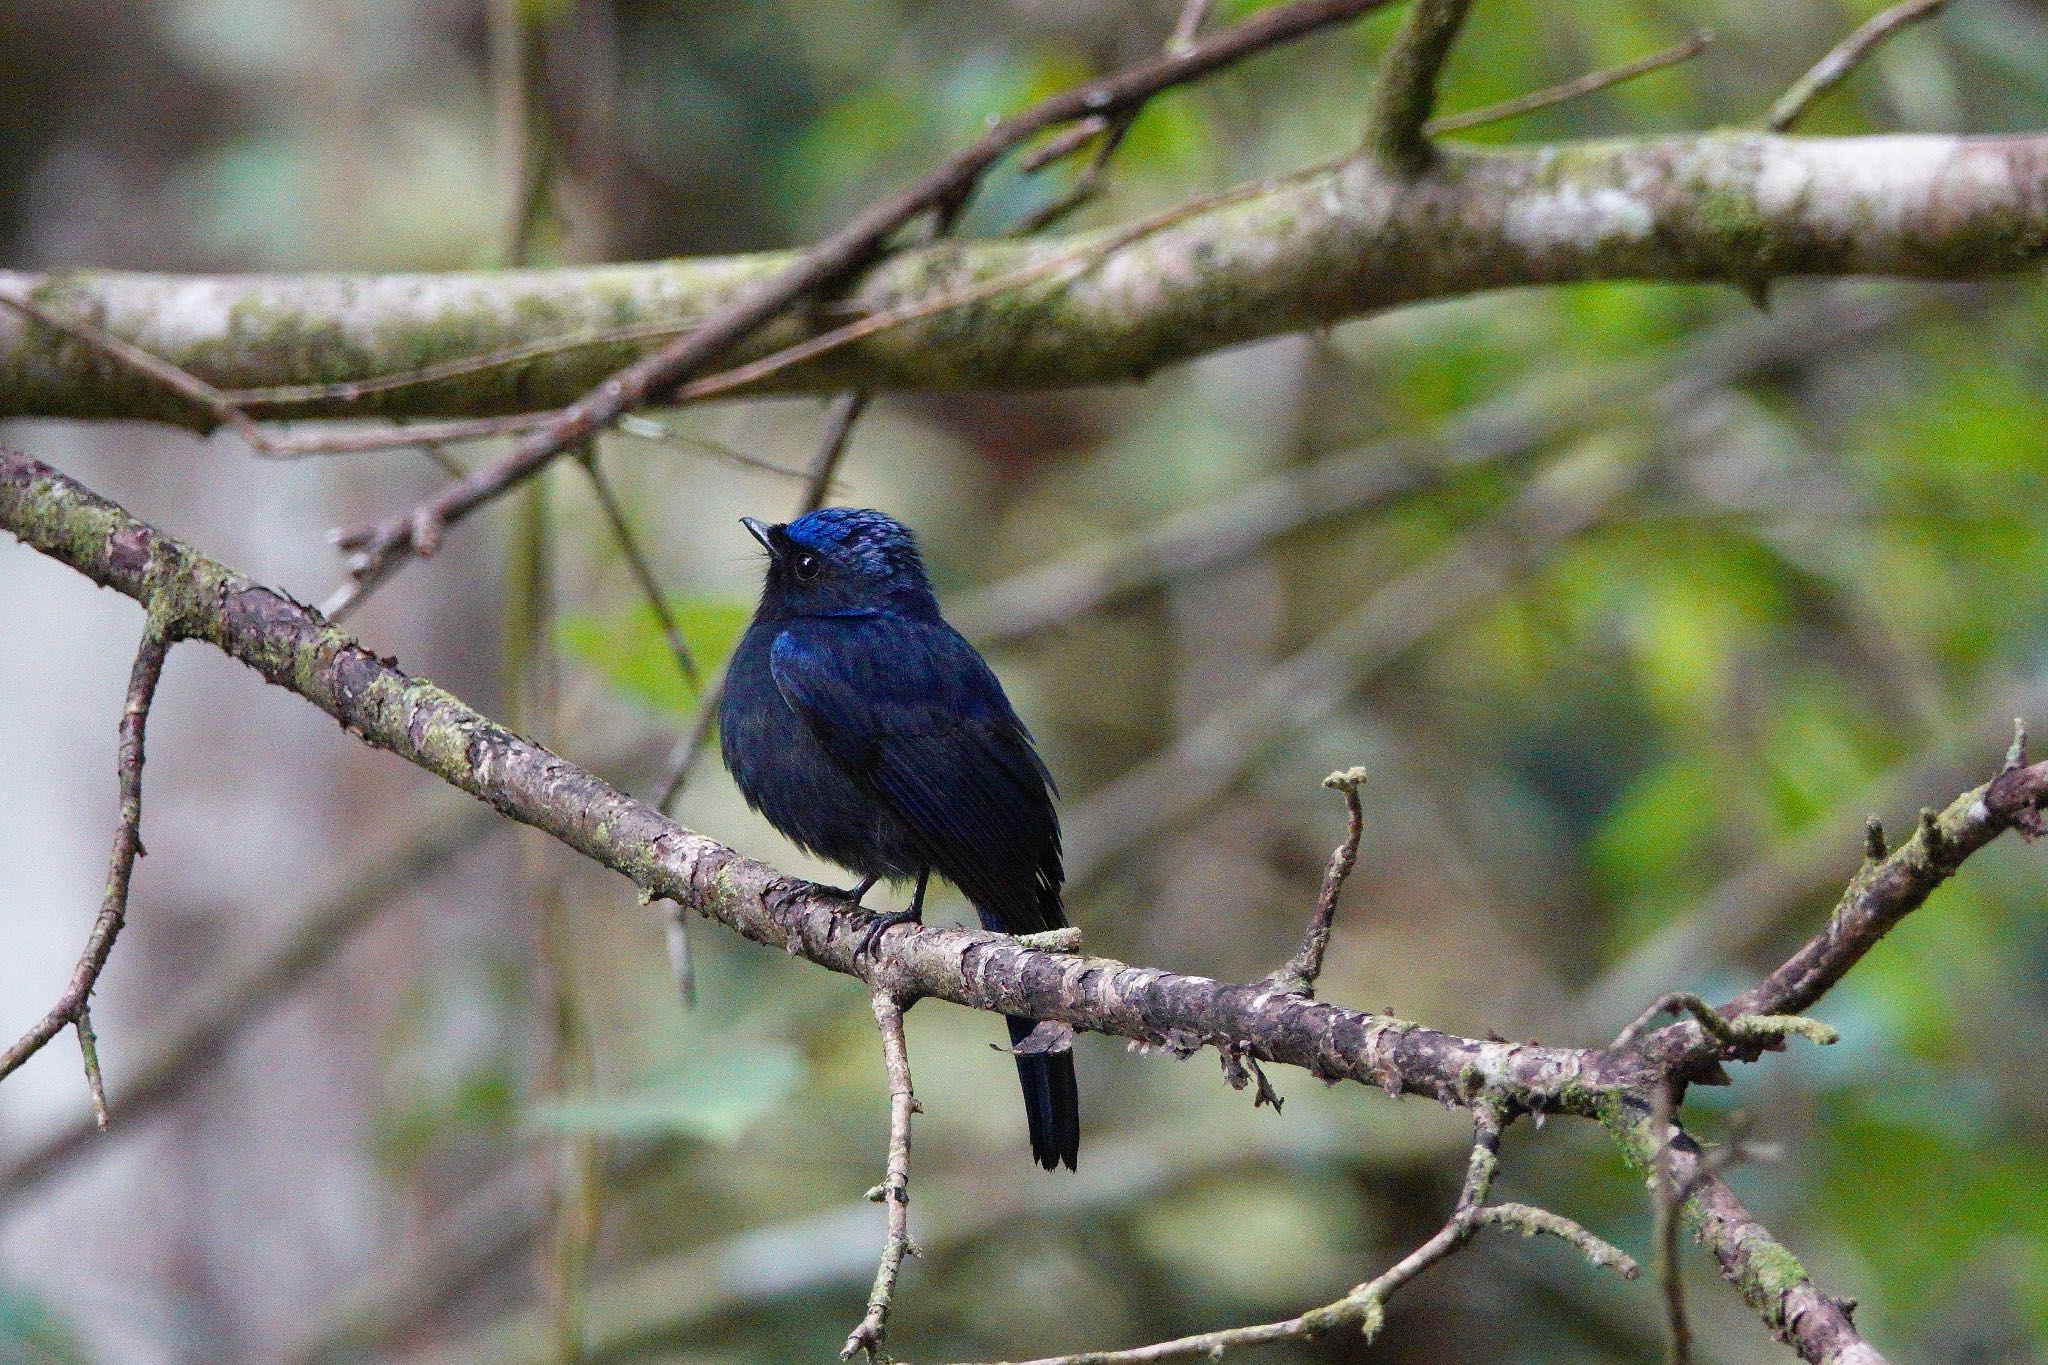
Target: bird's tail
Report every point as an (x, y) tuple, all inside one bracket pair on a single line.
[(1051, 1101)]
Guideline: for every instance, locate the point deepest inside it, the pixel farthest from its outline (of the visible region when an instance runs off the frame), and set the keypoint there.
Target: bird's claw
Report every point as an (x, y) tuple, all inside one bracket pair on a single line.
[(852, 895), (879, 925)]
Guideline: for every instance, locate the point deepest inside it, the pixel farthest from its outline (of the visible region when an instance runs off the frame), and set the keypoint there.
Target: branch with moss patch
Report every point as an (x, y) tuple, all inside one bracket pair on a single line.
[(1305, 251), (196, 598)]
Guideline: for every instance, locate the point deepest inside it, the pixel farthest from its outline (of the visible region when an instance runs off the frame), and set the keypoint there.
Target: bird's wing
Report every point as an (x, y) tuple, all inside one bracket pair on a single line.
[(910, 711)]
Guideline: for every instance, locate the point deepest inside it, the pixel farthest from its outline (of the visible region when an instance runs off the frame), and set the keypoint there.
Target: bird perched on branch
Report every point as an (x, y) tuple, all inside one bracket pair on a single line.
[(871, 733)]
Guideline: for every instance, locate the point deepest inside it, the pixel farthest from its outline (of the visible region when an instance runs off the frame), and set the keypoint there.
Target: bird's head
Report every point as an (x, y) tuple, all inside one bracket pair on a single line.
[(843, 561)]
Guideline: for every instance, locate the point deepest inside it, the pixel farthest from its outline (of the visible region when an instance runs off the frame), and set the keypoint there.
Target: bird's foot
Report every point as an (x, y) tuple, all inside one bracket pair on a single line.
[(851, 894), (881, 924)]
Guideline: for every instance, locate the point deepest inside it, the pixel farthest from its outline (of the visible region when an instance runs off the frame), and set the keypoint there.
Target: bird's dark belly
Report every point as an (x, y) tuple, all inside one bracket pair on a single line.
[(786, 774)]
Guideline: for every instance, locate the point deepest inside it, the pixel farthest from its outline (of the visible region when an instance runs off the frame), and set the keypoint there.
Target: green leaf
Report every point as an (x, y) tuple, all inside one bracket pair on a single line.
[(714, 1095), (627, 648)]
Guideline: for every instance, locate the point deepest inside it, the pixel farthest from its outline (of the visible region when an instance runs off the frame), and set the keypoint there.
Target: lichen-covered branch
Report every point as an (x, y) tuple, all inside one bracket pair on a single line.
[(195, 598), (1315, 248), (289, 645), (1769, 1277)]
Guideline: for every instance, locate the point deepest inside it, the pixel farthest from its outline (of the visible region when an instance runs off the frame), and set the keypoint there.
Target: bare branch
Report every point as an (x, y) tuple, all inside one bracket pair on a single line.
[(73, 1006), (1746, 1030), (1296, 252), (1770, 1278), (198, 599), (1846, 55), (1111, 131), (832, 261), (872, 1333), (1299, 975), (1363, 1310), (1589, 84), (1667, 1198), (1600, 1253), (639, 568)]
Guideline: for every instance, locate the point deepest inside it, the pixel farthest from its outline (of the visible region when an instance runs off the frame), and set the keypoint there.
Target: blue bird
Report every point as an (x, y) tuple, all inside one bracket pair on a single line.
[(871, 733)]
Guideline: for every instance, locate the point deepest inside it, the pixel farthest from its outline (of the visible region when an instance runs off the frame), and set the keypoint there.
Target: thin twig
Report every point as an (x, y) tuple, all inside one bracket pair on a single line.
[(195, 390), (1736, 1032), (1363, 1310), (1299, 975), (72, 1006), (181, 1055), (1844, 57), (840, 420), (1589, 84), (638, 567), (1112, 132), (1397, 117), (1664, 1125), (893, 1194), (837, 257)]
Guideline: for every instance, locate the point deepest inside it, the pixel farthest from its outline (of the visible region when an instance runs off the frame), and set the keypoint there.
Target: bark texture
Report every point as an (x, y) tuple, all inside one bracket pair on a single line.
[(192, 597), (1304, 250)]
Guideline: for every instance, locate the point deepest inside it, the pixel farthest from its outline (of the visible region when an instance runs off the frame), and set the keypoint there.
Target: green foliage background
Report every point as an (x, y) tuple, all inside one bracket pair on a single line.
[(1823, 594)]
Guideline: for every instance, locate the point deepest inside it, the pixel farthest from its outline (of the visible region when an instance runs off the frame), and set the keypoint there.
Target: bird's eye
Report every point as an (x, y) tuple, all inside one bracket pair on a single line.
[(805, 566)]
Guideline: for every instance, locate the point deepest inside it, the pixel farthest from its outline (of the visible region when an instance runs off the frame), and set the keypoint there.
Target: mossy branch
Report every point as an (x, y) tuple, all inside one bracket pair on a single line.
[(1310, 249), (195, 598)]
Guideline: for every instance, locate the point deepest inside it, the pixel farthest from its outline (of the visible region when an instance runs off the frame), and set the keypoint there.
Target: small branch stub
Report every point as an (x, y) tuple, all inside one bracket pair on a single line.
[(1298, 977), (1402, 98)]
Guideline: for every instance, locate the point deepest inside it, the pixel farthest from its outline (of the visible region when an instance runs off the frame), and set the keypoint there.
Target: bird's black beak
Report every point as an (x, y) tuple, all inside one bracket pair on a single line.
[(760, 530)]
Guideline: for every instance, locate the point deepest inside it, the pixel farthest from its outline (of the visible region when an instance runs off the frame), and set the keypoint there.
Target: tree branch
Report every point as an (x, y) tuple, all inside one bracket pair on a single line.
[(1845, 57), (832, 261), (1591, 83), (893, 1194), (1405, 93), (74, 1007), (288, 645), (1309, 250), (1300, 973), (193, 597)]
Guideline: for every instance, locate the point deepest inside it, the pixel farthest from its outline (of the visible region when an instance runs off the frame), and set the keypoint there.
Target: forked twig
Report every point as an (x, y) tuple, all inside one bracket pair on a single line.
[(893, 1194), (74, 1007), (1363, 1310)]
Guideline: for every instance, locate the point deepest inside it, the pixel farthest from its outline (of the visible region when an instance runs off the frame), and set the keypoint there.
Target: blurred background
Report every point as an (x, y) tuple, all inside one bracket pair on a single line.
[(1635, 601)]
